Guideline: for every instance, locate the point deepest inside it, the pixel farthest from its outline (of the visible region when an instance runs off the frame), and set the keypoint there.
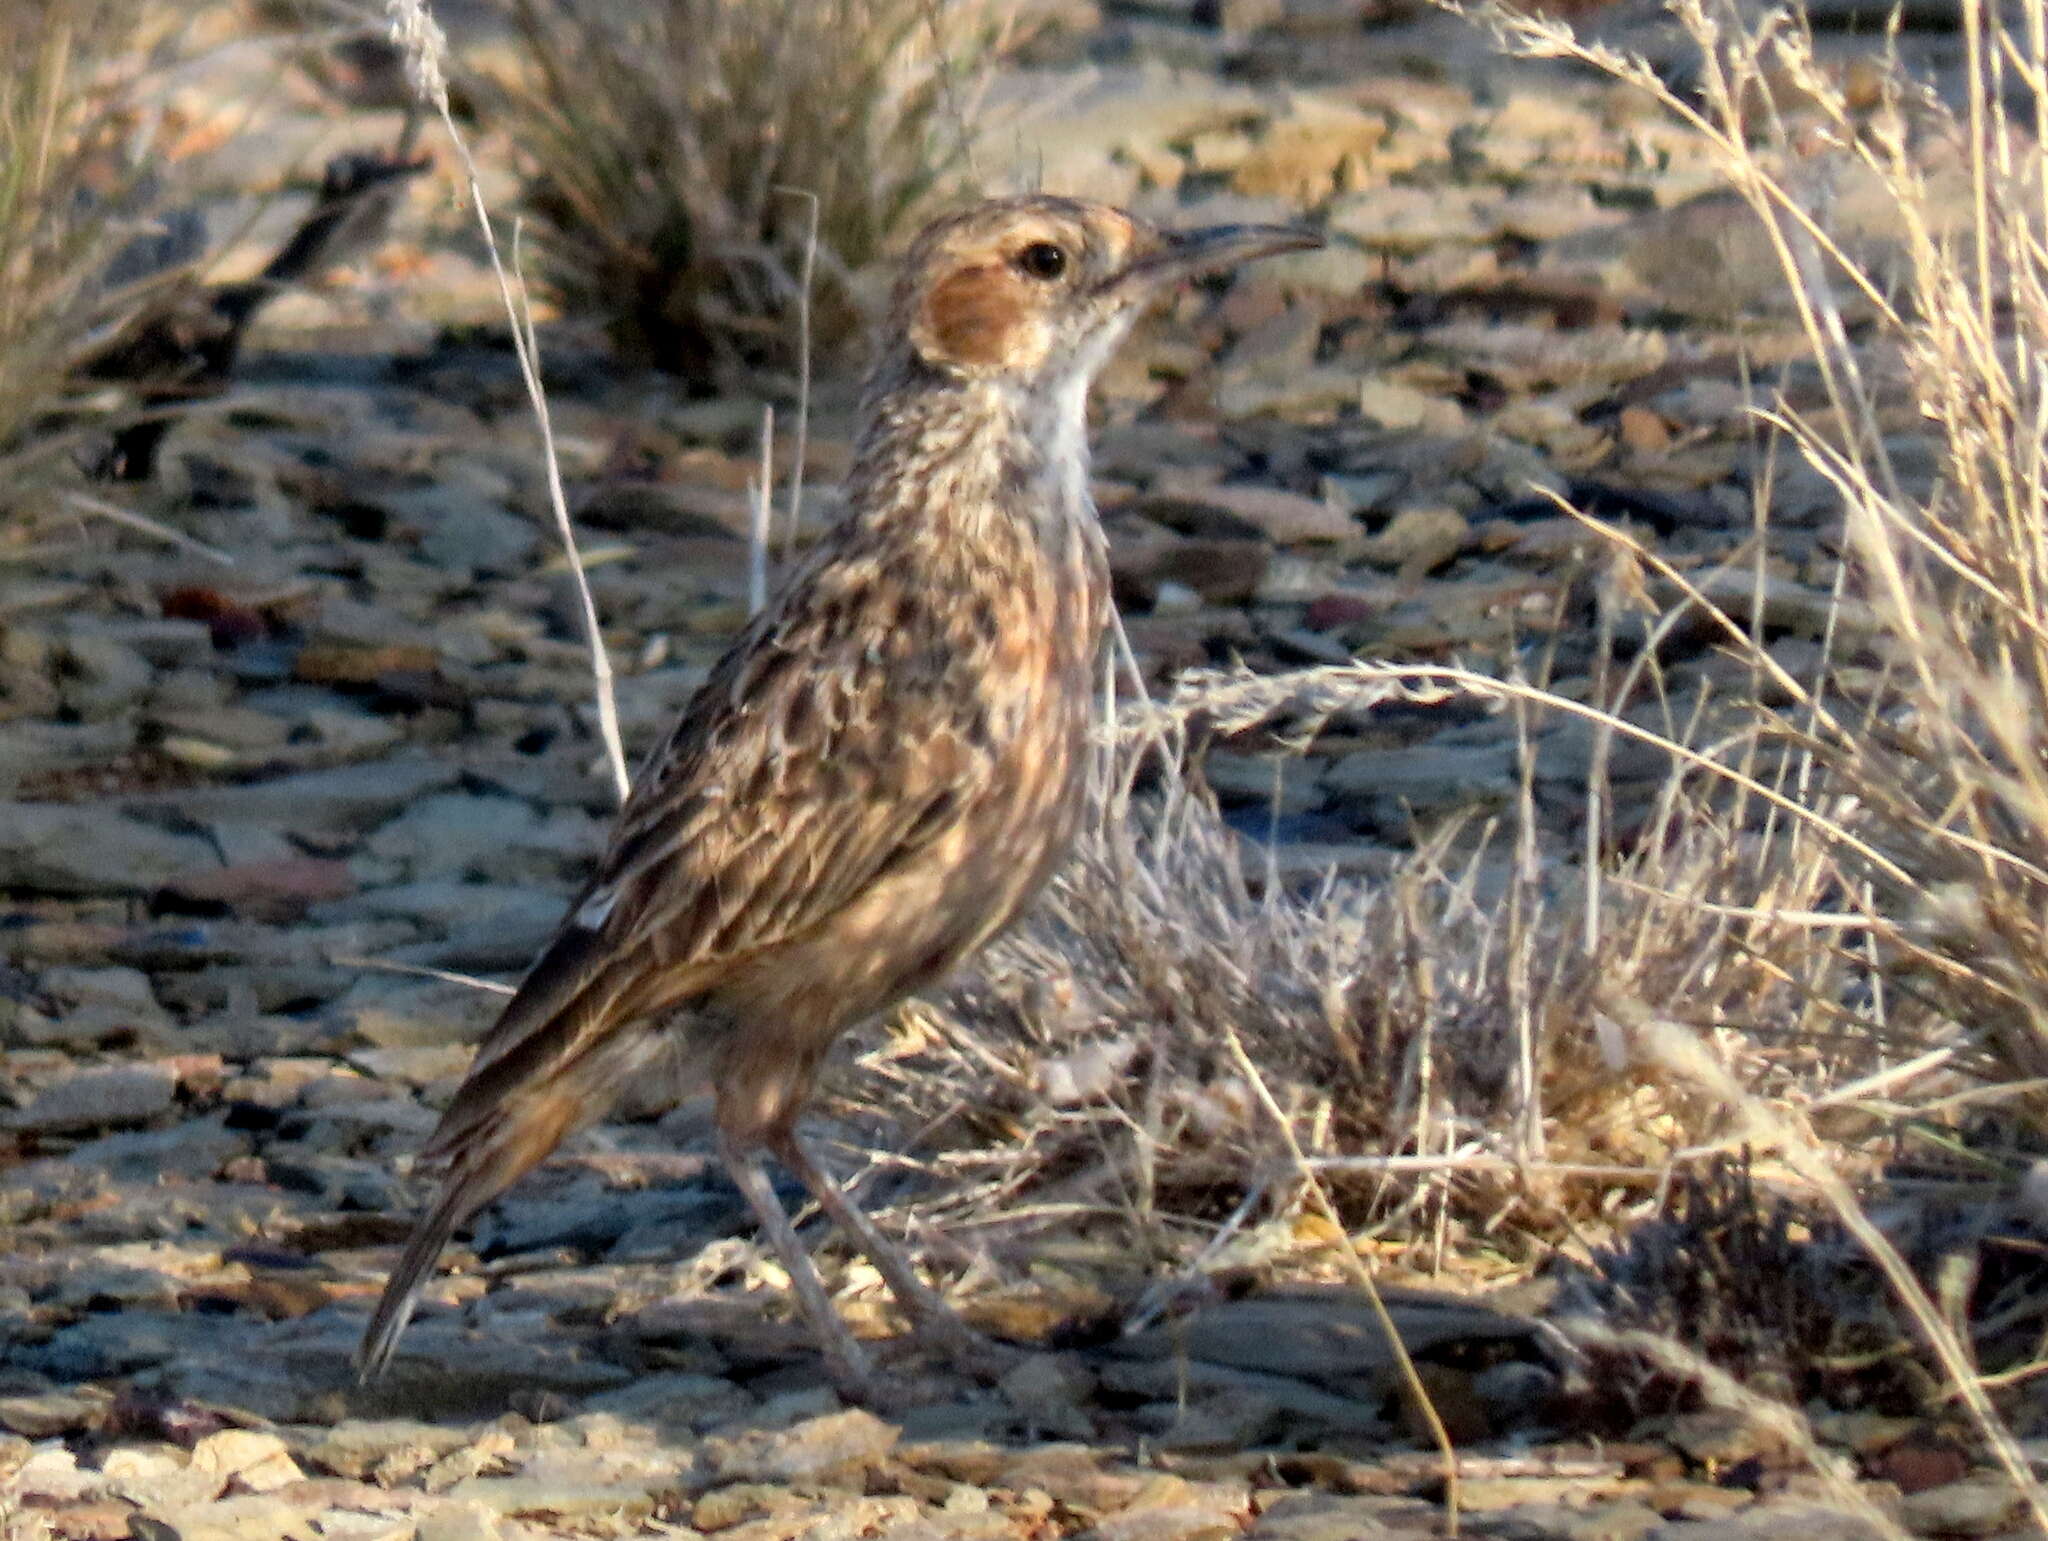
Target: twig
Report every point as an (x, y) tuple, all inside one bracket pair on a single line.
[(760, 507), (420, 39), (1486, 1161), (446, 976), (87, 504)]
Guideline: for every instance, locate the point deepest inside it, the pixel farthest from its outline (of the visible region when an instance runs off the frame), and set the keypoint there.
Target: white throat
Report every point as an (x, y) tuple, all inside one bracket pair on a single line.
[(1063, 428)]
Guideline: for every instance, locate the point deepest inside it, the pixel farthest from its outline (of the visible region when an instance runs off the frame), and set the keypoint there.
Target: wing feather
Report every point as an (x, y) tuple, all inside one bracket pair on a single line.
[(784, 793)]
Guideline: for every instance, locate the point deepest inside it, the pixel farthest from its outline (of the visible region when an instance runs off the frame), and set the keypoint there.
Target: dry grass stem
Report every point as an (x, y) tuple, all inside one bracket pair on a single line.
[(425, 48), (100, 508), (1319, 1197)]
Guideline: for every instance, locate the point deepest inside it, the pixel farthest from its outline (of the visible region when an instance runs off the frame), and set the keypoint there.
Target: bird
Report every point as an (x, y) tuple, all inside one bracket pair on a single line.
[(878, 776)]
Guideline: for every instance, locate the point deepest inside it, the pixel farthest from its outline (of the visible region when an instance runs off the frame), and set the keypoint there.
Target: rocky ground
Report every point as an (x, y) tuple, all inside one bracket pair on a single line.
[(343, 722)]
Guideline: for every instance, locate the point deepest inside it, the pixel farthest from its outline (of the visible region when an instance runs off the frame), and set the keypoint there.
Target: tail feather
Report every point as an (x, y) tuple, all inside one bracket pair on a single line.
[(461, 1197), (497, 1130)]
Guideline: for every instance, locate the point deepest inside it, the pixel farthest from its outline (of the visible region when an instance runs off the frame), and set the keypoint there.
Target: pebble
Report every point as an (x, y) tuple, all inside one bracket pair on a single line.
[(807, 1451), (99, 1098), (64, 849)]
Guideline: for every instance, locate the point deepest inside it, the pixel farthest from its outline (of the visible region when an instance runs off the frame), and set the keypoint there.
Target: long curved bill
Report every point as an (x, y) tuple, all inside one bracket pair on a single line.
[(1185, 253)]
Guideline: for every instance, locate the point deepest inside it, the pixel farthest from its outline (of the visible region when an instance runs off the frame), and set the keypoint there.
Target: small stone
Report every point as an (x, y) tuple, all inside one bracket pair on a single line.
[(348, 663), (52, 1472), (1915, 1465), (268, 890), (806, 1451), (1716, 1436), (1223, 572), (1419, 540), (1051, 1392), (1285, 783), (615, 1503), (101, 677), (1284, 517), (463, 1520), (30, 746), (256, 1462), (389, 1449), (1234, 1420), (1621, 1519), (253, 734), (497, 839), (1976, 1506), (359, 1525), (1276, 348), (1643, 430), (394, 1012), (243, 1517), (1317, 148), (47, 1414), (1169, 1508), (65, 849), (122, 993), (1408, 219), (463, 533), (100, 1099), (344, 800), (1320, 1516), (1550, 213), (1399, 407), (725, 1507)]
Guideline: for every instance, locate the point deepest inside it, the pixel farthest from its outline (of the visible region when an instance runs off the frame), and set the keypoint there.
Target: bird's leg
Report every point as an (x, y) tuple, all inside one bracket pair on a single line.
[(849, 1361), (935, 1321)]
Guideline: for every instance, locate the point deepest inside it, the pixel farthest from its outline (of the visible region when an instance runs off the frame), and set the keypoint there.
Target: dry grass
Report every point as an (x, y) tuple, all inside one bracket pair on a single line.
[(84, 224), (670, 200), (73, 196), (1826, 948), (1451, 1043), (1937, 764)]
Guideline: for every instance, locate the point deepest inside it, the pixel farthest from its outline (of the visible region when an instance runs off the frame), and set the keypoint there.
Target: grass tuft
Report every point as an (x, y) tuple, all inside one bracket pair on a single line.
[(677, 154), (75, 211)]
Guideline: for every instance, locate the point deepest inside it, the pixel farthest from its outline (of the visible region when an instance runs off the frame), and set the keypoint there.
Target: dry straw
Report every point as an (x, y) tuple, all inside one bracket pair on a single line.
[(425, 48), (76, 100), (664, 203)]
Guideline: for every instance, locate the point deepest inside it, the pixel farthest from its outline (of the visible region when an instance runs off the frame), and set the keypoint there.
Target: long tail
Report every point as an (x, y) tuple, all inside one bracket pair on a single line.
[(461, 1196), (555, 1061), (498, 1128)]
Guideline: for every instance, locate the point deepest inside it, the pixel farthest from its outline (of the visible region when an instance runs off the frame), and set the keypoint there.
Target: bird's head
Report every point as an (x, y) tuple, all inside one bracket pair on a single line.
[(1037, 290)]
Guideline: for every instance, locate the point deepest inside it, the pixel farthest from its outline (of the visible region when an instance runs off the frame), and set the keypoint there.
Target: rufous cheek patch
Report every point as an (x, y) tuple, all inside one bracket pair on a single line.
[(972, 318)]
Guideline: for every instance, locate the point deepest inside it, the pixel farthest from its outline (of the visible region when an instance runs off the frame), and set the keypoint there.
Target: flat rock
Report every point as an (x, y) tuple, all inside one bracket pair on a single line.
[(393, 1011), (99, 1099), (345, 800), (74, 849), (806, 1451), (1976, 1506), (391, 1448), (1328, 1338), (1287, 518), (495, 839)]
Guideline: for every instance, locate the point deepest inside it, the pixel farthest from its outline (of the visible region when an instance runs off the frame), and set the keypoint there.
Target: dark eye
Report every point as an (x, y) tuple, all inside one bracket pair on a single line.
[(1042, 259)]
